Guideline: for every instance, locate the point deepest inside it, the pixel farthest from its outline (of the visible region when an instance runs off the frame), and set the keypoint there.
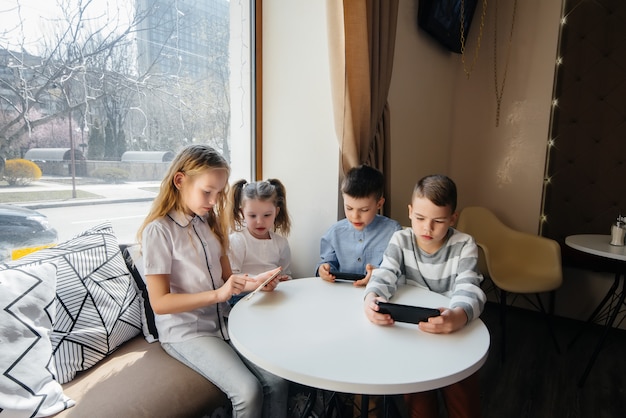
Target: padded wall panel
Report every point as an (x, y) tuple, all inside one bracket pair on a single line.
[(587, 165)]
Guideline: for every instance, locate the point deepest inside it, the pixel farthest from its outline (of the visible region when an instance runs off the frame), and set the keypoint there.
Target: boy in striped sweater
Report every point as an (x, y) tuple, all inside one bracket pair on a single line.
[(433, 255)]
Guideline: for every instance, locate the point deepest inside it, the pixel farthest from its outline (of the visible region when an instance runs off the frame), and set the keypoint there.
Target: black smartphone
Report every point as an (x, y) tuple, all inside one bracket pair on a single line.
[(347, 277), (407, 313)]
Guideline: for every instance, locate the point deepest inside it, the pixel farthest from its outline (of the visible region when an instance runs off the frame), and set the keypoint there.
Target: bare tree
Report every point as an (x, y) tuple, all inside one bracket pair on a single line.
[(67, 76), (87, 71)]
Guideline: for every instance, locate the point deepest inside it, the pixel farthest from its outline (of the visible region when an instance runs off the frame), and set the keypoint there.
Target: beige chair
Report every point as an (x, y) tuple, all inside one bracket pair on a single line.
[(516, 262)]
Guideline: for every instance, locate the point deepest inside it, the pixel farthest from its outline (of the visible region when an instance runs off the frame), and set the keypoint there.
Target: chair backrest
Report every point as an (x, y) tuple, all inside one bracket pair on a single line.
[(472, 221), (515, 261)]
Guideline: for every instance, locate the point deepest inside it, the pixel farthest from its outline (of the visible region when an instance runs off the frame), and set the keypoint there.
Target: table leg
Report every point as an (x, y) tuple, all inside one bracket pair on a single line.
[(609, 294), (365, 406), (607, 328), (388, 404)]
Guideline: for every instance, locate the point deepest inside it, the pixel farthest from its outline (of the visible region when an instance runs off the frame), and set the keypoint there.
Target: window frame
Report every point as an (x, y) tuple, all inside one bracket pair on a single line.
[(257, 91)]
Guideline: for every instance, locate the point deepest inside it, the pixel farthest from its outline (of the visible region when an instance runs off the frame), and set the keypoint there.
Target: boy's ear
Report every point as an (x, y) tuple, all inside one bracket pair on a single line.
[(380, 203), (454, 218)]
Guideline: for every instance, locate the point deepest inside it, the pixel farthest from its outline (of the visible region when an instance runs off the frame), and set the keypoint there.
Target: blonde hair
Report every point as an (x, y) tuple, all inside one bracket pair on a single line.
[(192, 161)]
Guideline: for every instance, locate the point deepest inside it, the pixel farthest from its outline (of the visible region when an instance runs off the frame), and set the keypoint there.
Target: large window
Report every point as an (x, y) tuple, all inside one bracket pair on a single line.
[(148, 75), (101, 91)]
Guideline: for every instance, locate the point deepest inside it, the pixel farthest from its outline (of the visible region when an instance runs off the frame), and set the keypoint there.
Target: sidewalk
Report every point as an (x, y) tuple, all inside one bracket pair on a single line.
[(109, 193)]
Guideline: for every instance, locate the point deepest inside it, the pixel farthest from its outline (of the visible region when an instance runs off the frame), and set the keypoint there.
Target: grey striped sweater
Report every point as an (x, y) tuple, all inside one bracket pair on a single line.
[(451, 271)]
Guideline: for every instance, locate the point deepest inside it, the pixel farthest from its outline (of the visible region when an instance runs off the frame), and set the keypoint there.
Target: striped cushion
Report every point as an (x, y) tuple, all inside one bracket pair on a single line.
[(96, 303)]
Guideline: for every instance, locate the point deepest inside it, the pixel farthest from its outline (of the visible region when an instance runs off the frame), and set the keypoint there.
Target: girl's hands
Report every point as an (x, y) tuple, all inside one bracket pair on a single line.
[(260, 278), (371, 310), (235, 284)]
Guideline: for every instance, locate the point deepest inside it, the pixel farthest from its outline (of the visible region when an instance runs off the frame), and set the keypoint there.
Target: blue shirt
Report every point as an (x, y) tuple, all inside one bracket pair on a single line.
[(349, 250)]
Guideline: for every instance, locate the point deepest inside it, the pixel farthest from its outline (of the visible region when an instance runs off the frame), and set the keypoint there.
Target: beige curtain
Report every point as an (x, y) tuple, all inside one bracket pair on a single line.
[(362, 37)]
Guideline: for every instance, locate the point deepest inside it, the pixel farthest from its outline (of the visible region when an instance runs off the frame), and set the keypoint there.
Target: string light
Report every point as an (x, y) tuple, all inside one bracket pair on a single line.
[(551, 142)]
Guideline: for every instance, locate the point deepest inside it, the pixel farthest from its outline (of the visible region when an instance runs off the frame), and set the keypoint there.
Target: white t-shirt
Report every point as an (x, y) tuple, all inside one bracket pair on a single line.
[(254, 256), (185, 248)]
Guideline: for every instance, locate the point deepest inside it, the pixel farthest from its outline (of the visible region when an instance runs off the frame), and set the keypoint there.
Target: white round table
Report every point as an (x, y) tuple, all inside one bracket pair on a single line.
[(315, 333), (596, 244)]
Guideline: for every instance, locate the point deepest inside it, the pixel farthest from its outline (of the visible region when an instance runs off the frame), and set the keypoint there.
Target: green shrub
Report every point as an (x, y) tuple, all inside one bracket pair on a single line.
[(20, 172), (110, 174)]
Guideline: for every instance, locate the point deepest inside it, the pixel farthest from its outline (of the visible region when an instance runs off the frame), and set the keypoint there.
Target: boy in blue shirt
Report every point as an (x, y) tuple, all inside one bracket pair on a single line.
[(356, 244)]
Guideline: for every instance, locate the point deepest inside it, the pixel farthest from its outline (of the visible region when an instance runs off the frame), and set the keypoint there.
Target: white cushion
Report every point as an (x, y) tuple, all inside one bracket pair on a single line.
[(27, 311)]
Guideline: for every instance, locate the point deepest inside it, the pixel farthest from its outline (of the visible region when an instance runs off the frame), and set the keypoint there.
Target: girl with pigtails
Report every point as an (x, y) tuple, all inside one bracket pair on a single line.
[(259, 223)]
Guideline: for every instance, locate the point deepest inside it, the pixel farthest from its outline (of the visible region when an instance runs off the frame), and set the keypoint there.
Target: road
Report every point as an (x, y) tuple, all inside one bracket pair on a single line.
[(125, 218)]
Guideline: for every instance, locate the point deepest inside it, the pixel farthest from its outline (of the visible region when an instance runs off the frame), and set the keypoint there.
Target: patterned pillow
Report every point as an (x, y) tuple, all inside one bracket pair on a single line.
[(27, 311), (96, 303), (134, 262)]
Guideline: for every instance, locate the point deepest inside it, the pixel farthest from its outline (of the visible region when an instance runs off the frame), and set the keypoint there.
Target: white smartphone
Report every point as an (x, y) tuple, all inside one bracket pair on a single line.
[(266, 281)]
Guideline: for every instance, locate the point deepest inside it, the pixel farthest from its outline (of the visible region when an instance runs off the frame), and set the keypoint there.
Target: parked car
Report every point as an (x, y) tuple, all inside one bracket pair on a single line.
[(22, 231)]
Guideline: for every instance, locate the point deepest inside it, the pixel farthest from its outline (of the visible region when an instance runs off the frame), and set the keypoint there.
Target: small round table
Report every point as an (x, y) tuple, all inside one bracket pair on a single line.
[(596, 244), (315, 333)]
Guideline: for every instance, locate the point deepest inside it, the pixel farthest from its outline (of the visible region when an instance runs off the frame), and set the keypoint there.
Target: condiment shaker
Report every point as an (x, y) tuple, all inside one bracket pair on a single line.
[(618, 232)]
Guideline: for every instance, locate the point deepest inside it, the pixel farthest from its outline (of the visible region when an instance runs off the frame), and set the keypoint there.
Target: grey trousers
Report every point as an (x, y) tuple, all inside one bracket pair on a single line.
[(252, 391)]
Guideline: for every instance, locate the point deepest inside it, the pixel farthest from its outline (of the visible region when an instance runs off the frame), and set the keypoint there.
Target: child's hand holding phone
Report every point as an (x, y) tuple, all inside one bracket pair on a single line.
[(266, 281), (368, 273), (370, 307), (324, 273)]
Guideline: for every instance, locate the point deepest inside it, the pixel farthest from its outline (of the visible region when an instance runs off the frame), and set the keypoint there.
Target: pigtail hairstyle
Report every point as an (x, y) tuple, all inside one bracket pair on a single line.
[(268, 190), (236, 221), (282, 223), (192, 160)]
